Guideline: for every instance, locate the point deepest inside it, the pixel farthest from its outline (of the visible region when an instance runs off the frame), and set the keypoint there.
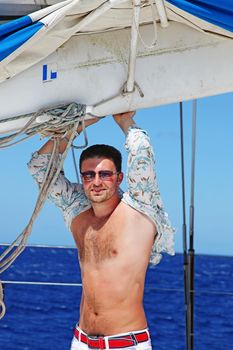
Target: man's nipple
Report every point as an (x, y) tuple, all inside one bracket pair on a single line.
[(114, 252)]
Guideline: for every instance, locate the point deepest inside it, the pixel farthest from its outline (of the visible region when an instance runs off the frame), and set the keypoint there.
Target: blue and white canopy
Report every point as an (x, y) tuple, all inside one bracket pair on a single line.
[(29, 39)]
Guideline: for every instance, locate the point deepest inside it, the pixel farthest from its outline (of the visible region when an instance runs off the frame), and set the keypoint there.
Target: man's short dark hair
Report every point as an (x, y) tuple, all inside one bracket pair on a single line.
[(102, 151)]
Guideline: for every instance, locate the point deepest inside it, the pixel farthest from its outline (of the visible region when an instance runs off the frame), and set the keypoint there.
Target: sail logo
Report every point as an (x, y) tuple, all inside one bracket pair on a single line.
[(49, 72)]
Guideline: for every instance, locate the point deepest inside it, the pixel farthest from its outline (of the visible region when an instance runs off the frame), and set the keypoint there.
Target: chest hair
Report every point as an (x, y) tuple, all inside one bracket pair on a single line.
[(97, 242)]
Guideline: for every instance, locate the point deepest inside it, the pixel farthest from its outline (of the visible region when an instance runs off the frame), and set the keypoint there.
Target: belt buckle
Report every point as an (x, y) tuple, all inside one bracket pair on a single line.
[(134, 338), (96, 338)]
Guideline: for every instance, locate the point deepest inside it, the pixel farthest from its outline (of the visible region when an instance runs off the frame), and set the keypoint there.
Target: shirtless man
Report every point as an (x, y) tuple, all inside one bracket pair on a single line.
[(114, 234)]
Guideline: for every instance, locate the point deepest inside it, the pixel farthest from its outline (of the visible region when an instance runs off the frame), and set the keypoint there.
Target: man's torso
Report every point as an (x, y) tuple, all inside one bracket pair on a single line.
[(114, 253)]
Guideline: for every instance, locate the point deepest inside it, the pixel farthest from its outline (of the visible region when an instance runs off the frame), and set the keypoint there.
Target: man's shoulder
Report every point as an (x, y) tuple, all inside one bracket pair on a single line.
[(131, 211), (81, 219)]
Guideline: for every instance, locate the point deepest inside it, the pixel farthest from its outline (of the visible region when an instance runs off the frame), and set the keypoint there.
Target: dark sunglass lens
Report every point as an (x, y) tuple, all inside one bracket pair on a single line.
[(88, 175), (105, 174)]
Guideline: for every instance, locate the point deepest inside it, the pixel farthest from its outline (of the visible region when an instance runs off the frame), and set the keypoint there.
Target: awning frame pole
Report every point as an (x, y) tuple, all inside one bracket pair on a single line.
[(95, 14), (162, 13), (130, 84)]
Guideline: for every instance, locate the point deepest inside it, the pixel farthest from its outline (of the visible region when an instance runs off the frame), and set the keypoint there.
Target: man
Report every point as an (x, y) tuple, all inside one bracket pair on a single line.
[(114, 234)]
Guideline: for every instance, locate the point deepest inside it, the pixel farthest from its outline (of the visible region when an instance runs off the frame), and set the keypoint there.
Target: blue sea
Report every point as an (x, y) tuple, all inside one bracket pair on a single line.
[(42, 317)]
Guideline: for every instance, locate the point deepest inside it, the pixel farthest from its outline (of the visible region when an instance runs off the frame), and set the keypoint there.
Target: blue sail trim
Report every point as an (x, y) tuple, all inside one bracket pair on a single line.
[(12, 26), (219, 13), (12, 42)]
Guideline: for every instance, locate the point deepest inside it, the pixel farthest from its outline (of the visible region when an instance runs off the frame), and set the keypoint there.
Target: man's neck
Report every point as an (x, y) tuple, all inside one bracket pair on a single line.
[(106, 208)]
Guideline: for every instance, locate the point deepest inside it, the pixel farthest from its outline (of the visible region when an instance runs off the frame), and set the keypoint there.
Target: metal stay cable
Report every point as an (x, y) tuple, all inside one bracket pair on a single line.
[(191, 252), (148, 286), (184, 228)]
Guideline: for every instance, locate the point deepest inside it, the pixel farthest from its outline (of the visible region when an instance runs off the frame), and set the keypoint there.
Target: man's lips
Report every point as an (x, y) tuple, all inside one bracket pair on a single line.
[(97, 190)]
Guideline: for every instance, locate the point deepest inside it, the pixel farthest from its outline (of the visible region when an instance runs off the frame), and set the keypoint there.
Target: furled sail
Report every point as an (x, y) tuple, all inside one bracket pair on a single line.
[(79, 50), (37, 35)]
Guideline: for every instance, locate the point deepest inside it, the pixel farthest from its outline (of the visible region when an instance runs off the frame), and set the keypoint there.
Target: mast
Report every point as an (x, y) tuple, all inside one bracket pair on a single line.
[(188, 257), (184, 227)]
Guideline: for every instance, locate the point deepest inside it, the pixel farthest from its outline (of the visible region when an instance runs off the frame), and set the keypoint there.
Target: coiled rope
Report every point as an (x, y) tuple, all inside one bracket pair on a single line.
[(51, 121), (2, 305), (59, 121)]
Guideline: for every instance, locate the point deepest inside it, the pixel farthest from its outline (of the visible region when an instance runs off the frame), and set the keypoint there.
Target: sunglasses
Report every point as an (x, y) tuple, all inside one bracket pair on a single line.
[(103, 175)]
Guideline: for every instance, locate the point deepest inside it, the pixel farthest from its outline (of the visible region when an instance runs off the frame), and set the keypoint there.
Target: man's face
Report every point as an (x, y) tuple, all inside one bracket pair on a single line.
[(100, 179)]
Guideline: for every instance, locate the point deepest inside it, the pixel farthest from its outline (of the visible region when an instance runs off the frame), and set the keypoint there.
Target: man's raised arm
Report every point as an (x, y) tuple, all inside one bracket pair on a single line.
[(141, 177), (125, 121), (143, 192), (48, 146), (68, 196)]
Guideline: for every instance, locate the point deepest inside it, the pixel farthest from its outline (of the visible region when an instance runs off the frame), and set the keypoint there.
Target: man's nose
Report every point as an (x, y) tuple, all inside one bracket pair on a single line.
[(97, 180)]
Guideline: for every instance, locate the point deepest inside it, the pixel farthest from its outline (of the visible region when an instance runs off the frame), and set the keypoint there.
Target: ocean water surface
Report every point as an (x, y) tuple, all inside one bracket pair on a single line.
[(42, 317)]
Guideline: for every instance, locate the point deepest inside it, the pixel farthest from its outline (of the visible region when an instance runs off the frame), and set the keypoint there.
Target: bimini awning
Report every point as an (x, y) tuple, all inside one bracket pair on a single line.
[(218, 13), (27, 40)]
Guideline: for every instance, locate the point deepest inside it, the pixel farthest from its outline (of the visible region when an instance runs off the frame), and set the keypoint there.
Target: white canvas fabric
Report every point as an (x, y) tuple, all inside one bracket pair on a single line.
[(64, 19)]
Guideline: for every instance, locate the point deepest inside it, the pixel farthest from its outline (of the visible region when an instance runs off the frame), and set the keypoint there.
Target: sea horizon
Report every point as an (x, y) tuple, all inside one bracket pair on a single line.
[(38, 315)]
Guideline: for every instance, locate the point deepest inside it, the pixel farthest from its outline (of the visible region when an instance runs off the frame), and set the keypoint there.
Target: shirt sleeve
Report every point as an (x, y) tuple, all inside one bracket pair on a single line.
[(143, 192), (68, 196)]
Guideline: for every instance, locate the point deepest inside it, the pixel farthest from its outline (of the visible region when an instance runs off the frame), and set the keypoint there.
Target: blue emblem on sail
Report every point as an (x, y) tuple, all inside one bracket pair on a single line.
[(49, 72)]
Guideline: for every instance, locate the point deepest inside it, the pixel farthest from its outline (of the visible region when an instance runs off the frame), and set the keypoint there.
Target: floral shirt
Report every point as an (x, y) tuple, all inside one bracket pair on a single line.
[(142, 194)]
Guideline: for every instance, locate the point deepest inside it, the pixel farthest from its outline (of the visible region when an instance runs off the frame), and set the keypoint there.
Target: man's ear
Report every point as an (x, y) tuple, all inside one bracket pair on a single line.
[(120, 178)]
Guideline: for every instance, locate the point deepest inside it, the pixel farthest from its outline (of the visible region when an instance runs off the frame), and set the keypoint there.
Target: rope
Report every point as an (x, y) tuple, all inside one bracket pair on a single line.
[(73, 147), (154, 43), (53, 121), (2, 305), (61, 119), (75, 165)]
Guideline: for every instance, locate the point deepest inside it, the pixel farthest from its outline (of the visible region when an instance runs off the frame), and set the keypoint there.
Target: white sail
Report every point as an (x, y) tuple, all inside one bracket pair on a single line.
[(82, 54)]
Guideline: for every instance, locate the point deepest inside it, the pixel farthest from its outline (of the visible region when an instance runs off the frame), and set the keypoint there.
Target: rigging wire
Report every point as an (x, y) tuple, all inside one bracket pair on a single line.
[(184, 227), (191, 252), (148, 286), (188, 258)]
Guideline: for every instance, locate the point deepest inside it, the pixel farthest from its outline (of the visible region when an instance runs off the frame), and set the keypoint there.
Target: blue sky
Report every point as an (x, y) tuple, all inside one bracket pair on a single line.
[(214, 175)]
